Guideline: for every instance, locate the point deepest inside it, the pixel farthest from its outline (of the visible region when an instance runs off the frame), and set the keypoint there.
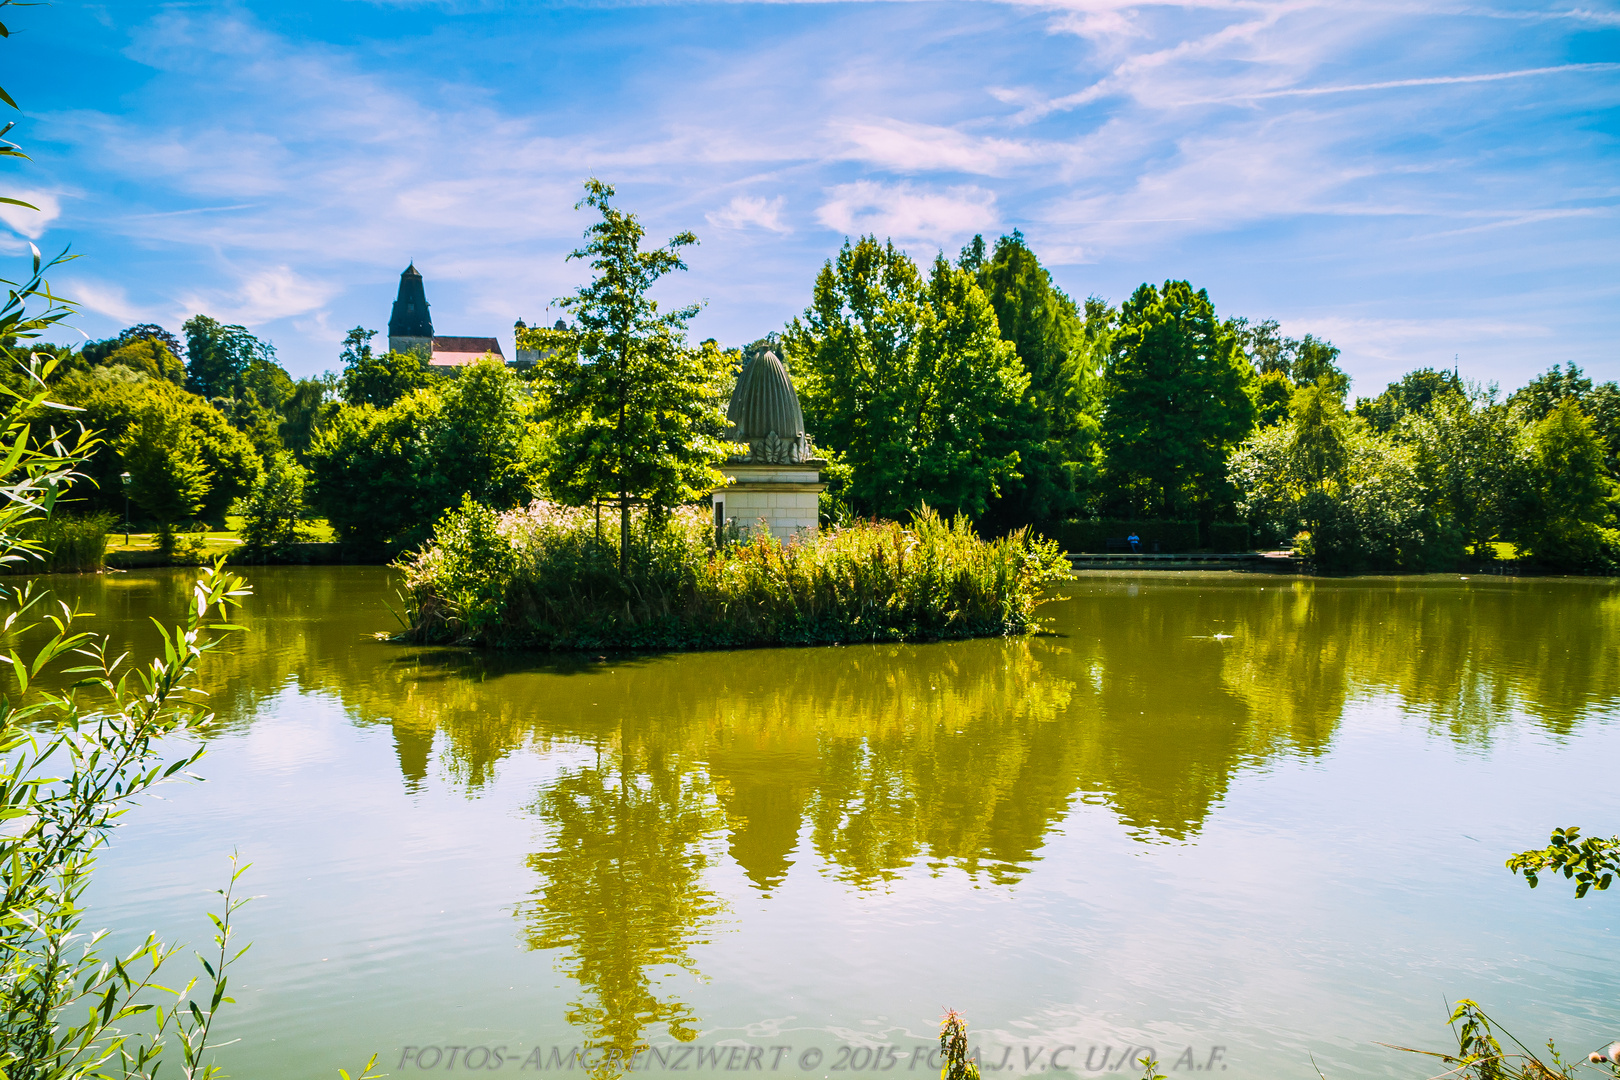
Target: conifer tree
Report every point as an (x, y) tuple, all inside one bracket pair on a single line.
[(1055, 422), (1178, 396)]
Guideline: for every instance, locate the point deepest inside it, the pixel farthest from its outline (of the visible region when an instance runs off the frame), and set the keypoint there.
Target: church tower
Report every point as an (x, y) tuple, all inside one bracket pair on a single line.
[(410, 329)]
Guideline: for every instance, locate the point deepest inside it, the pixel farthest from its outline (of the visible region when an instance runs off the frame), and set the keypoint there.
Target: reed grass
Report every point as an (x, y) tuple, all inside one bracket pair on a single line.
[(65, 544), (543, 577)]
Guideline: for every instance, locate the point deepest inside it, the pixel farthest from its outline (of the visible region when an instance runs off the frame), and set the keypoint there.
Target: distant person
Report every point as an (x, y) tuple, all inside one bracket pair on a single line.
[(1135, 542)]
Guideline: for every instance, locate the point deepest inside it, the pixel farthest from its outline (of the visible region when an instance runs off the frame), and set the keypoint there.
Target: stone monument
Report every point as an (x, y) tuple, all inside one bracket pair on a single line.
[(778, 481)]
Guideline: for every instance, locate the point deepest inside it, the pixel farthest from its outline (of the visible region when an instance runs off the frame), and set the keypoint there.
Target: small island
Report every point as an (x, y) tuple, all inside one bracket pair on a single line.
[(762, 573)]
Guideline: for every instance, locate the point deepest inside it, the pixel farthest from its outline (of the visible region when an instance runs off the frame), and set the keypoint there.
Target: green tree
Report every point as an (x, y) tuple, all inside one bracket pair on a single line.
[(1467, 462), (1273, 393), (260, 424), (368, 379), (150, 357), (1537, 398), (167, 476), (1054, 425), (273, 509), (484, 444), (908, 380), (369, 469), (1356, 495), (1411, 395), (112, 398), (146, 348), (1178, 397), (634, 410), (218, 357), (1285, 364), (1316, 363), (304, 412), (1565, 511)]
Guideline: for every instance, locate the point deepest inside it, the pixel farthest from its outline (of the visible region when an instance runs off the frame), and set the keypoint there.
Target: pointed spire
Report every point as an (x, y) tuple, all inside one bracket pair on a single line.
[(410, 318)]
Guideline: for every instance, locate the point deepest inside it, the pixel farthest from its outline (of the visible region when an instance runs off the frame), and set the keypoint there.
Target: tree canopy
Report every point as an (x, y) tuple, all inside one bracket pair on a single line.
[(910, 380), (1054, 425), (368, 379)]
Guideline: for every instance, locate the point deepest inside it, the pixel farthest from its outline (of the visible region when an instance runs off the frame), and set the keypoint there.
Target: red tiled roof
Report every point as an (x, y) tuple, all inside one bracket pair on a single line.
[(458, 351)]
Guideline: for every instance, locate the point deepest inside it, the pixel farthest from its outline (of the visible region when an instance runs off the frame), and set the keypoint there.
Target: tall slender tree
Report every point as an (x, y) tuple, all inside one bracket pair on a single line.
[(634, 409)]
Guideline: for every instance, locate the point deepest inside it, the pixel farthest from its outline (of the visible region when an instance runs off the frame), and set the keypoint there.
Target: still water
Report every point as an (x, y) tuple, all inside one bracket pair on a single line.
[(1249, 822)]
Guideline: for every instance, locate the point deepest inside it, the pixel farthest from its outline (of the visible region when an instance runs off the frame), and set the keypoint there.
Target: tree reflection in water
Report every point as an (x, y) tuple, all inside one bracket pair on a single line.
[(1153, 696), (622, 890)]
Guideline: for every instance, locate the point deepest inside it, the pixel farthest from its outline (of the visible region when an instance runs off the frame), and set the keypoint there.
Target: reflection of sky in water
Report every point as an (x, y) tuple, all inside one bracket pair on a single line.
[(1202, 813)]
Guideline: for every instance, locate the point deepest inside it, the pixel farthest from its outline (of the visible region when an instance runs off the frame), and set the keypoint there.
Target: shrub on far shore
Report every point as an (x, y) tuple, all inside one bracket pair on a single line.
[(543, 576), (66, 544)]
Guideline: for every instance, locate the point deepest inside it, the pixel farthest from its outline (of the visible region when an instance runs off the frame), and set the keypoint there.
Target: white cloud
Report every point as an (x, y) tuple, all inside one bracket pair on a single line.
[(912, 148), (750, 211), (104, 298), (270, 294), (31, 223), (1408, 341), (907, 214)]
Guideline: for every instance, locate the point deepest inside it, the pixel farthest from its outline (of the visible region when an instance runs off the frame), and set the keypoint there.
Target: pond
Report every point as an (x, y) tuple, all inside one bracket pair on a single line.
[(1249, 822)]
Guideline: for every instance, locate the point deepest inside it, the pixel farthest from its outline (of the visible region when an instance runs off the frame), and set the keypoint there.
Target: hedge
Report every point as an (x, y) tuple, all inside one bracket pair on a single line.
[(1171, 537)]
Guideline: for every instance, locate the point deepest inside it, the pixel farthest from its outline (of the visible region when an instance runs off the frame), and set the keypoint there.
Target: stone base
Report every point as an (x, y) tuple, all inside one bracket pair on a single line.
[(785, 503)]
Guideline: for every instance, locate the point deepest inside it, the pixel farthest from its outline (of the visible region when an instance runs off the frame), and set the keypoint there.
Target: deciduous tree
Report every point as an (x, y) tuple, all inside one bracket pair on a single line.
[(1566, 511), (910, 380), (634, 411), (167, 476), (369, 379)]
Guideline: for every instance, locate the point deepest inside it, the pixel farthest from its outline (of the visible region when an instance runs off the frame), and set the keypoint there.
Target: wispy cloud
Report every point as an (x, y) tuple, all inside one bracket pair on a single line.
[(1433, 80), (262, 296), (914, 148), (750, 211), (1396, 158), (909, 214), (108, 299)]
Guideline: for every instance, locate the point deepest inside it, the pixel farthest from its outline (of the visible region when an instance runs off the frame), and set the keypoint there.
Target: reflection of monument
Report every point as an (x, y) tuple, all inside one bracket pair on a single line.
[(410, 329), (778, 479)]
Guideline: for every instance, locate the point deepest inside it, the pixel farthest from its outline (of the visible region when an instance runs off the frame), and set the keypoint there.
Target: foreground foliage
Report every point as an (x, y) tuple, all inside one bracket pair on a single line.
[(1480, 1055), (546, 576), (1590, 862)]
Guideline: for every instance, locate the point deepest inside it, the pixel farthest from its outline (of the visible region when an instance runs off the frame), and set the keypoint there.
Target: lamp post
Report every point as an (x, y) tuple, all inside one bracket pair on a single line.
[(125, 478)]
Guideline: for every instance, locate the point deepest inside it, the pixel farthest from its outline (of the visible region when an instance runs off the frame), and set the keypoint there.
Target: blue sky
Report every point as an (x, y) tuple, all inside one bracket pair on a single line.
[(1413, 180)]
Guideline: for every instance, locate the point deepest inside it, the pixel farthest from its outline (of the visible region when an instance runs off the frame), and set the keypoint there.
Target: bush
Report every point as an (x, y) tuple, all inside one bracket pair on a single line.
[(273, 510), (543, 576), (68, 544), (1092, 536)]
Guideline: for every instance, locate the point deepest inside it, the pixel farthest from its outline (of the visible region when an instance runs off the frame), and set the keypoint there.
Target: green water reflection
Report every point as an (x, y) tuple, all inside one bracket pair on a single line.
[(1150, 697)]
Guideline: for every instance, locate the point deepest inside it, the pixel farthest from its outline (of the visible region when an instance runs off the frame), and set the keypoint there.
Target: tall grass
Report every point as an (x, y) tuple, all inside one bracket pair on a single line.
[(543, 577), (64, 544)]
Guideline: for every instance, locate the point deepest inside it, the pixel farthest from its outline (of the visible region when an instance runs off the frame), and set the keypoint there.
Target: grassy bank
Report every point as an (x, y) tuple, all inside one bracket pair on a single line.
[(543, 577)]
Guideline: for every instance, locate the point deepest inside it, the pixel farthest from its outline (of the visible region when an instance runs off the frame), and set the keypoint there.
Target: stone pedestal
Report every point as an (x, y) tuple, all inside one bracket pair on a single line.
[(784, 497)]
